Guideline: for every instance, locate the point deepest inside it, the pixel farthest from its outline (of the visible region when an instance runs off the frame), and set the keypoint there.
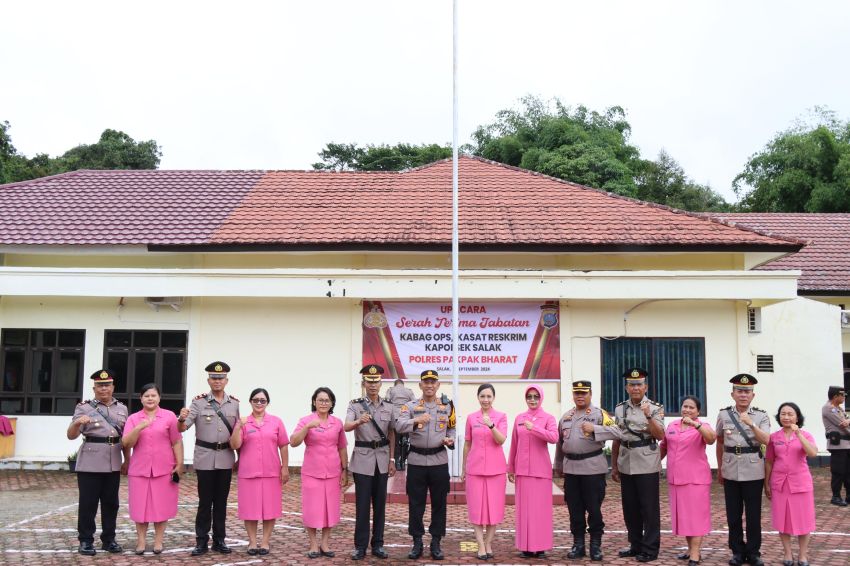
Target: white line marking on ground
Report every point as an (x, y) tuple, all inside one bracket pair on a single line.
[(31, 519), (237, 563)]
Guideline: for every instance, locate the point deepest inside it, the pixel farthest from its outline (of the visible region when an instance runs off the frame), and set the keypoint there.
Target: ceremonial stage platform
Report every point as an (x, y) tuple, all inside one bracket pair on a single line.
[(396, 492)]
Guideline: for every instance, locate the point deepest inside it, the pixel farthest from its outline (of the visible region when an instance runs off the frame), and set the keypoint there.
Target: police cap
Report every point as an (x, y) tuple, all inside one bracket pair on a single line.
[(635, 375), (372, 372), (103, 376), (217, 370), (429, 374), (581, 386), (743, 381)]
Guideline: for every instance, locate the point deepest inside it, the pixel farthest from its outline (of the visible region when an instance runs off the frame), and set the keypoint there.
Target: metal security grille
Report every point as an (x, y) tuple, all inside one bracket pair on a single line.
[(676, 368)]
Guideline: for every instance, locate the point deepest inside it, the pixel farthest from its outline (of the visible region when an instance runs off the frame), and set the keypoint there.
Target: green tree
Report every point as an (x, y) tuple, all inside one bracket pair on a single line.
[(351, 157), (114, 150), (803, 169), (664, 181)]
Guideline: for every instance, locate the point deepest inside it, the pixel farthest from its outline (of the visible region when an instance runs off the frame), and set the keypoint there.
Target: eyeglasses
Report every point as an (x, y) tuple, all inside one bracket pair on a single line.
[(532, 397), (259, 401), (323, 401)]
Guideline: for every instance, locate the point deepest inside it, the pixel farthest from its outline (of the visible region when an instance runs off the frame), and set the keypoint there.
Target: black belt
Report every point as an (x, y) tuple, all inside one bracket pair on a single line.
[(584, 456), (840, 436), (212, 445), (741, 449), (110, 440), (637, 443), (374, 444), (427, 451)]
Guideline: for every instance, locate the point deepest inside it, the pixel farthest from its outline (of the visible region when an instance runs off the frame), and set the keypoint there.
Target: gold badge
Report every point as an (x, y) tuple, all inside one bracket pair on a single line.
[(104, 375), (745, 379), (373, 370), (635, 373), (218, 367)]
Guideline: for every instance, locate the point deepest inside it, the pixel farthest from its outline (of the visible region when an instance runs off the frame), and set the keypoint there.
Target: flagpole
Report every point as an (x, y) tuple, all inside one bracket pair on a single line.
[(455, 246)]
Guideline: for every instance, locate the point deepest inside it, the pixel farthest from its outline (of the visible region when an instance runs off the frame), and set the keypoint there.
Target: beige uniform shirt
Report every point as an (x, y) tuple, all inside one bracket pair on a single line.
[(832, 417), (210, 428), (398, 395), (633, 426), (364, 460), (101, 457), (741, 467), (574, 441), (430, 435)]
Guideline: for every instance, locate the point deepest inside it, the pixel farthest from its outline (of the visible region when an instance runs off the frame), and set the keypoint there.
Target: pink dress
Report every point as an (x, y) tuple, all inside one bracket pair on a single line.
[(153, 496), (689, 478), (792, 503), (260, 494), (485, 470), (320, 472), (531, 463)]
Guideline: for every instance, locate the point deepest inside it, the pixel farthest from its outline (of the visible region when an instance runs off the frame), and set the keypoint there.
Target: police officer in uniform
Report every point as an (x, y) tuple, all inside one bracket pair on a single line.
[(371, 419), (836, 423), (214, 415), (741, 432), (430, 421), (99, 464), (579, 457), (636, 465), (398, 395)]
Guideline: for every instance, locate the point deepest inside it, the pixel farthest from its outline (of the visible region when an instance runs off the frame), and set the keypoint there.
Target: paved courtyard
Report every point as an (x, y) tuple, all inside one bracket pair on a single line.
[(38, 519)]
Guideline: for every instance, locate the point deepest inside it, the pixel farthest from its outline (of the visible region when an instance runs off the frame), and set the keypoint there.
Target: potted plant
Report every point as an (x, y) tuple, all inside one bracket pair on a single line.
[(607, 452), (72, 462)]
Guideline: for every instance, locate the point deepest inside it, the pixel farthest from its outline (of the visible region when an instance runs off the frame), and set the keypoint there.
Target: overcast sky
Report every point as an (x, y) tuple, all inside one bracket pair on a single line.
[(265, 85)]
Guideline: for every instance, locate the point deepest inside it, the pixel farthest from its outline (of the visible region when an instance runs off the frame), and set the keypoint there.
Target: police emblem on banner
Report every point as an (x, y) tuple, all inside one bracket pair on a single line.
[(549, 316), (375, 319)]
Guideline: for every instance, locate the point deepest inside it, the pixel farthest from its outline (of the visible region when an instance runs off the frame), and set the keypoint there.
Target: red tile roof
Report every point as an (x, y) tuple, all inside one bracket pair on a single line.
[(825, 261), (501, 208)]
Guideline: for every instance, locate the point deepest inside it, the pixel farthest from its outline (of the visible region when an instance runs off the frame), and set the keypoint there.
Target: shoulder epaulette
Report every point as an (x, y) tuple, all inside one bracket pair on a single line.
[(757, 409), (656, 404), (358, 400), (726, 408), (201, 396), (85, 402), (234, 398), (621, 403)]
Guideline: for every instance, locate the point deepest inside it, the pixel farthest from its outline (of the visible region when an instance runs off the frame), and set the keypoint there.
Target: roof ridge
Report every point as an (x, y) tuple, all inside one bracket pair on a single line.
[(46, 178)]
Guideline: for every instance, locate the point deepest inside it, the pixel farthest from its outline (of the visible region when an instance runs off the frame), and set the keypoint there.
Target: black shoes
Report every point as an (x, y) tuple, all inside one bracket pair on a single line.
[(754, 561), (112, 547), (416, 549), (358, 554), (577, 551), (736, 560), (200, 548), (838, 501), (379, 552), (645, 557), (436, 551), (627, 552), (87, 549), (596, 550), (220, 547), (683, 556)]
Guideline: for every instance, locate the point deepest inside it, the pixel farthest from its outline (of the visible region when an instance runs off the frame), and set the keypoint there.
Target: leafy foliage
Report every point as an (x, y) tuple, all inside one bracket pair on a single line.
[(114, 150), (803, 169), (664, 181), (351, 157)]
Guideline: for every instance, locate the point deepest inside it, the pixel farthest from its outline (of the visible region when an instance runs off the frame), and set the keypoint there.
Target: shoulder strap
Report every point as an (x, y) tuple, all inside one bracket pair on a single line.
[(106, 417), (217, 408), (372, 420), (740, 428)]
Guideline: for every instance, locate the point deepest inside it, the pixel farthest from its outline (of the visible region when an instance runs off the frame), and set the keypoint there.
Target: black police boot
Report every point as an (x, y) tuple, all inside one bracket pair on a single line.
[(112, 547), (436, 551), (836, 500), (379, 551), (416, 549), (200, 547), (755, 560), (577, 551), (596, 548), (629, 552), (358, 554), (219, 546), (87, 549)]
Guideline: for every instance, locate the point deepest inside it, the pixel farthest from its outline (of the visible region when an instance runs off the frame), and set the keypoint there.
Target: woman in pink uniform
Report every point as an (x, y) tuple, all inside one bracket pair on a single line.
[(157, 460), (788, 482), (689, 476), (484, 469), (324, 469), (263, 469), (530, 467)]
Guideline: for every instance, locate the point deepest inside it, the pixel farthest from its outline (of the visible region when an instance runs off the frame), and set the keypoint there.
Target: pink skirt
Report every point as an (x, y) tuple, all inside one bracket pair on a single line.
[(485, 499), (259, 499), (690, 509), (792, 513), (533, 514), (320, 502), (152, 500)]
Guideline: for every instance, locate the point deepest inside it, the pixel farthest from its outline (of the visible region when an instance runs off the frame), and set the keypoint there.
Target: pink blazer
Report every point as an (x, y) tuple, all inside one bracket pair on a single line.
[(529, 455), (259, 456), (153, 454), (789, 462), (687, 462), (485, 458), (321, 458)]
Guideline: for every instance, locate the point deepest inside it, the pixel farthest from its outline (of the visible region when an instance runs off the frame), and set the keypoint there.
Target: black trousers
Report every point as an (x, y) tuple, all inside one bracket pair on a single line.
[(744, 497), (102, 488), (642, 511), (213, 489), (420, 481), (370, 491), (584, 495), (839, 465)]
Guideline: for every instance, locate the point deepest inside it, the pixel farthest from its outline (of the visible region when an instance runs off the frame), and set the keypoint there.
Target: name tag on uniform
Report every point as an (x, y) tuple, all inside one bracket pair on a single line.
[(252, 431), (780, 443)]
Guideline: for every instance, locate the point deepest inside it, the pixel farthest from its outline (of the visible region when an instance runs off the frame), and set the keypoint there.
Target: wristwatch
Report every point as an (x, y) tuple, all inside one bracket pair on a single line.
[(491, 426)]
